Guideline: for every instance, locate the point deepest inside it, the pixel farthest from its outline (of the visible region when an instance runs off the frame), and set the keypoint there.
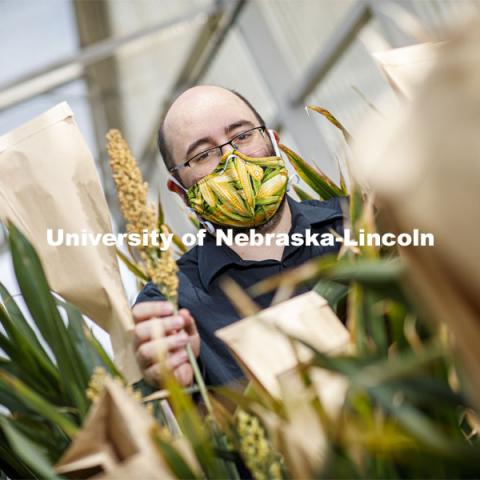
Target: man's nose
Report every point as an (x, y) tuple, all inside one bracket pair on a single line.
[(228, 147)]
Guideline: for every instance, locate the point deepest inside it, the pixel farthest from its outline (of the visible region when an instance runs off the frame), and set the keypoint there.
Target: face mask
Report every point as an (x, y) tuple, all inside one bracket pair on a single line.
[(242, 191)]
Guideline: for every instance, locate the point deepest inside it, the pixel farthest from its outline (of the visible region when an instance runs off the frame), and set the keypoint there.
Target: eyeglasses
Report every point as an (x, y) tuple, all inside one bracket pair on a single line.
[(247, 142)]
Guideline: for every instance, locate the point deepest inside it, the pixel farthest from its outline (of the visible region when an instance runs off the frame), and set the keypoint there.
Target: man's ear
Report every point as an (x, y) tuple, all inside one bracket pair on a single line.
[(173, 187), (276, 135)]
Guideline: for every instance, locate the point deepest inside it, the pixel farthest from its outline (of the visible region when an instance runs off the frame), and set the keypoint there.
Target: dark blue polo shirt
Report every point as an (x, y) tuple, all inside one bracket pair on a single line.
[(201, 268)]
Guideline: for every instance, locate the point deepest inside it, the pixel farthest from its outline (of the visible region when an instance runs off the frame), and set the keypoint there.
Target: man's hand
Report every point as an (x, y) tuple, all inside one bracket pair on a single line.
[(158, 330)]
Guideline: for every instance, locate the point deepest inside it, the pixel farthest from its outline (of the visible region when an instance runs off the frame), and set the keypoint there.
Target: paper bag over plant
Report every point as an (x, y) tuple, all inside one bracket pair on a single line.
[(48, 180), (424, 168), (117, 441), (406, 67), (262, 348)]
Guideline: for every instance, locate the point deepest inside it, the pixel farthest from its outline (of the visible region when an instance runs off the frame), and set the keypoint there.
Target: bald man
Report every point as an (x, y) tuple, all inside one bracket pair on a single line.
[(202, 125)]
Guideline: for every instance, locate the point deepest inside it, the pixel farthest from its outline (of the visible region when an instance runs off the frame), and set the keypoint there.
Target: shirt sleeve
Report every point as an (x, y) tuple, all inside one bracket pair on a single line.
[(149, 293)]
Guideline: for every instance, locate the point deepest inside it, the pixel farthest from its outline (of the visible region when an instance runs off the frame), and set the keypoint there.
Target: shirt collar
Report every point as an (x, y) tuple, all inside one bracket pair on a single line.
[(213, 258)]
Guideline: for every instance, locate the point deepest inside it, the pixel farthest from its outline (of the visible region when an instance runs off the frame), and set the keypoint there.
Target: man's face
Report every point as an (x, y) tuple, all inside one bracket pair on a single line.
[(202, 118)]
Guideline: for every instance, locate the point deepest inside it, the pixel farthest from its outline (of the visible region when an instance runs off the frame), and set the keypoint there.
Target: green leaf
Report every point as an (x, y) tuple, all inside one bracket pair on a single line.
[(102, 354), (316, 179), (381, 275), (357, 318), (399, 366), (31, 361), (326, 113), (52, 439), (332, 292), (16, 315), (193, 428), (418, 424), (42, 306), (356, 207), (367, 272), (84, 349), (131, 266), (160, 214), (302, 194), (7, 398), (174, 459), (179, 243), (11, 466), (36, 403), (29, 452)]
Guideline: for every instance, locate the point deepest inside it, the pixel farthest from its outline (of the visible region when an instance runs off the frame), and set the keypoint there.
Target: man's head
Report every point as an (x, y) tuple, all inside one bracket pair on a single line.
[(203, 117), (200, 118)]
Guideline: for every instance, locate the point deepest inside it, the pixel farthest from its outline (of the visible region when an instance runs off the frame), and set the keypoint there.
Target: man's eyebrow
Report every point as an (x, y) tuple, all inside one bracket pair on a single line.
[(240, 123), (196, 144)]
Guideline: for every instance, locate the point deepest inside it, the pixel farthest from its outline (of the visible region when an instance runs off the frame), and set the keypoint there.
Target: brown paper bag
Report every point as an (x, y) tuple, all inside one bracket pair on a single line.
[(303, 432), (265, 352), (406, 67), (48, 180), (116, 442), (269, 359), (424, 168)]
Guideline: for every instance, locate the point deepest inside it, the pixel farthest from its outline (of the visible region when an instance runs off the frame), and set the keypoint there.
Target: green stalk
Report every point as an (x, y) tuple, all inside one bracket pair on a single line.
[(199, 379), (196, 369)]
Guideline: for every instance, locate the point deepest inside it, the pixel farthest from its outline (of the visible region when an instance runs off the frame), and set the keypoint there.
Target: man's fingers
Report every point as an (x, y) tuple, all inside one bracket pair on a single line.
[(153, 375), (191, 329), (189, 322), (146, 310), (157, 327), (179, 357), (149, 353), (183, 374)]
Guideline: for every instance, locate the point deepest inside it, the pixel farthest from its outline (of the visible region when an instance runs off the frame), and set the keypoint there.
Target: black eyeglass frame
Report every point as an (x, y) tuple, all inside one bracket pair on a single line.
[(176, 168)]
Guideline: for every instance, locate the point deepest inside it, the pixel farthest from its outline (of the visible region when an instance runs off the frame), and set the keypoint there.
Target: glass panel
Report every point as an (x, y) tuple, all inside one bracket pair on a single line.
[(35, 34), (129, 16), (350, 91), (146, 74), (301, 27), (234, 68), (435, 15)]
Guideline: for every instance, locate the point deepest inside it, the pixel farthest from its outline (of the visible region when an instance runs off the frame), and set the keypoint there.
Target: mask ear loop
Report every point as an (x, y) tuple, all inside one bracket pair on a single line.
[(276, 148), (176, 182), (293, 180), (208, 226)]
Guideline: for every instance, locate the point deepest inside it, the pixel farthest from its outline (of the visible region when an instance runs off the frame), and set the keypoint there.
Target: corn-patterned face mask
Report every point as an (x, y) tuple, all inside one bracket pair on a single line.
[(242, 191)]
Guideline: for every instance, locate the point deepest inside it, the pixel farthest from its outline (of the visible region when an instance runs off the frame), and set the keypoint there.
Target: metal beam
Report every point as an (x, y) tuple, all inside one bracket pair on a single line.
[(93, 26), (58, 73), (399, 26), (206, 46), (355, 19), (278, 77)]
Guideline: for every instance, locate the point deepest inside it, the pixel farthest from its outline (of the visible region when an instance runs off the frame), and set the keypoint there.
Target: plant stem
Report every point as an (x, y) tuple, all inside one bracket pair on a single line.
[(199, 379), (196, 370)]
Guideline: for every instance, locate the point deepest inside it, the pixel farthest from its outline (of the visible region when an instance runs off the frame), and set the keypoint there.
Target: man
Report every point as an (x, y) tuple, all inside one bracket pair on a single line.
[(214, 120)]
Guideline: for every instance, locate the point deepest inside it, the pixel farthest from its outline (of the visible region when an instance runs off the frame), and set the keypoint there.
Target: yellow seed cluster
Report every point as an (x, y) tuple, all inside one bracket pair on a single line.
[(131, 189), (262, 461), (163, 273), (96, 384), (159, 266)]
